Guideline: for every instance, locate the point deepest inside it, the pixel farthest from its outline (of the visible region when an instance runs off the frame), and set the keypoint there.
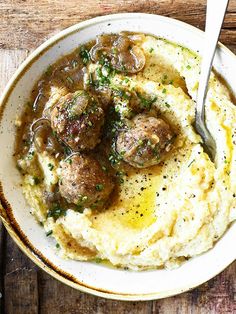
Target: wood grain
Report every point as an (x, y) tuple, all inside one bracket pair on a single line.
[(27, 289), (21, 292), (216, 296), (57, 298), (26, 24), (10, 60)]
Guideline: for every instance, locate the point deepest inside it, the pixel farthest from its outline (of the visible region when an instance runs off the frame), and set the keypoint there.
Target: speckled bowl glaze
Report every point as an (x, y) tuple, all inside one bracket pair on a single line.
[(15, 213)]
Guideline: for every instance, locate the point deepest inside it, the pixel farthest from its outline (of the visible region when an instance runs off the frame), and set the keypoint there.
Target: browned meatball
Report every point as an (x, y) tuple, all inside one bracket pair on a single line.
[(77, 119), (145, 142), (84, 182)]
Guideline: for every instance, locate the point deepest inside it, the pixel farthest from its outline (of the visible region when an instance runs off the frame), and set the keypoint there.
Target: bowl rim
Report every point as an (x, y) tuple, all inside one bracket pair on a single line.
[(23, 245)]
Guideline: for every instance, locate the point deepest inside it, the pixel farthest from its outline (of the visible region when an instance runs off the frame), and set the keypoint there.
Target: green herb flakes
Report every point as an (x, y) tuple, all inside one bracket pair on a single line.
[(164, 91), (70, 80), (50, 232), (104, 168), (69, 161), (36, 180), (50, 166), (146, 103), (99, 187), (97, 260), (56, 211), (84, 55), (74, 63)]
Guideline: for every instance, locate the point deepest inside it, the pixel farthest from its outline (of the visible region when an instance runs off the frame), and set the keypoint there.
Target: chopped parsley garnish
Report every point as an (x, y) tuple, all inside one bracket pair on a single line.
[(114, 158), (69, 161), (121, 93), (164, 91), (102, 79), (30, 155), (104, 168), (79, 208), (151, 50), (80, 203), (74, 63), (36, 180), (120, 175), (146, 103), (50, 166), (103, 60), (103, 73), (56, 211), (99, 187), (167, 105), (67, 150), (70, 80), (84, 55), (188, 67), (114, 51), (49, 233)]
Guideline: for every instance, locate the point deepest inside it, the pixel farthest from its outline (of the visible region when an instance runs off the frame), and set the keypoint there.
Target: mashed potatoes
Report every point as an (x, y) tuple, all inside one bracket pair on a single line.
[(167, 213)]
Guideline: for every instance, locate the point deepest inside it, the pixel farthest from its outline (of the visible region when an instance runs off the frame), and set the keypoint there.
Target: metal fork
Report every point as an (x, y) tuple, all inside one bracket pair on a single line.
[(215, 14)]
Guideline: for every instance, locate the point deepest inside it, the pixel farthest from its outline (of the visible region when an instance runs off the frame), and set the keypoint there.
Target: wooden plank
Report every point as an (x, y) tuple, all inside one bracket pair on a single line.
[(14, 258), (55, 298), (216, 296), (109, 306), (20, 281), (10, 60), (21, 292), (20, 276), (26, 24)]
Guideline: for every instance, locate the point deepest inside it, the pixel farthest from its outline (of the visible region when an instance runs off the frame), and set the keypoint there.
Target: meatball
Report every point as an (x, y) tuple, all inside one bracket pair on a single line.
[(145, 142), (84, 182), (77, 119)]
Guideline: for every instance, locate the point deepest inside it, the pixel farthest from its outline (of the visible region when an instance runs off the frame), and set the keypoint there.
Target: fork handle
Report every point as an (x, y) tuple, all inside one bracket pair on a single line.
[(216, 10)]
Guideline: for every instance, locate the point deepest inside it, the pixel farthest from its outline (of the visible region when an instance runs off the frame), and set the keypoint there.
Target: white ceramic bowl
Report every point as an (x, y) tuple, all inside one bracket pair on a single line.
[(88, 277)]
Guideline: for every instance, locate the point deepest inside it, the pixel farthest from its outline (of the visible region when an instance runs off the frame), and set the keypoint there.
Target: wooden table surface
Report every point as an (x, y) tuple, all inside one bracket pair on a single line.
[(24, 288)]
